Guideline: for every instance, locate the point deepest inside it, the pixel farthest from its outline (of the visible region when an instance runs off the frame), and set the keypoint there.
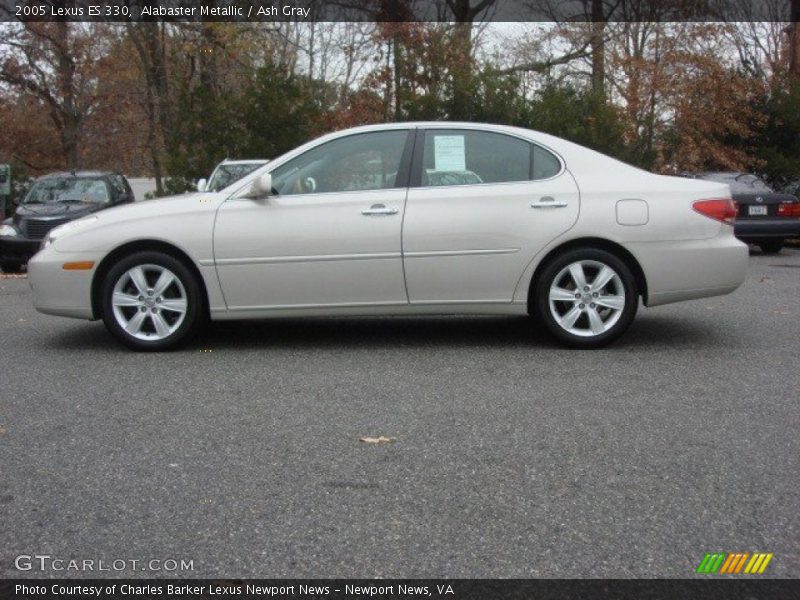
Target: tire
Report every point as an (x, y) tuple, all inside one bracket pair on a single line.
[(771, 246), (11, 267), (143, 319), (597, 316)]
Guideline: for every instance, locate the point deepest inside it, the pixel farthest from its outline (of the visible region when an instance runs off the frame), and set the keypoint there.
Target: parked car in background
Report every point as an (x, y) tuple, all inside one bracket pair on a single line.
[(763, 216), (228, 172), (54, 200), (358, 222)]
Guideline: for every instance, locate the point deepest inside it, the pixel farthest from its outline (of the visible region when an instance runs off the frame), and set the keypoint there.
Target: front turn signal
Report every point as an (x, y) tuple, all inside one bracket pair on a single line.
[(84, 265)]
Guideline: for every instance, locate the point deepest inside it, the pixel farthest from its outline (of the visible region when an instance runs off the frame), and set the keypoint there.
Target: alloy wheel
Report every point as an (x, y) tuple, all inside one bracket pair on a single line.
[(587, 298), (149, 302)]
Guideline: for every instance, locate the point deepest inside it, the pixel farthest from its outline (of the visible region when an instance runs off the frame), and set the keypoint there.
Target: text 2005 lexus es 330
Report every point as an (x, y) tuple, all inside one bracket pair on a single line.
[(414, 218)]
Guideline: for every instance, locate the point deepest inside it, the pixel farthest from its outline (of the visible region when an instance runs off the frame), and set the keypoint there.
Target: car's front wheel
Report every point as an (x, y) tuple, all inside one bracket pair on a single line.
[(586, 297), (151, 301)]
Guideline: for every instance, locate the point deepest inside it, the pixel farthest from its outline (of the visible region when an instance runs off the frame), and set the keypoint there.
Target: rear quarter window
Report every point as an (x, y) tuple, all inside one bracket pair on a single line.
[(545, 164)]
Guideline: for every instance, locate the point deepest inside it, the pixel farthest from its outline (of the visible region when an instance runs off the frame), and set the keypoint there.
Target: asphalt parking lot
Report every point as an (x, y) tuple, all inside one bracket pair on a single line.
[(513, 457)]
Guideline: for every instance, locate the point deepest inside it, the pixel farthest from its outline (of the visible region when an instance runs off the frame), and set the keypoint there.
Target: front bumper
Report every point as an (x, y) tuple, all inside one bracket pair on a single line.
[(771, 227), (59, 292), (17, 250)]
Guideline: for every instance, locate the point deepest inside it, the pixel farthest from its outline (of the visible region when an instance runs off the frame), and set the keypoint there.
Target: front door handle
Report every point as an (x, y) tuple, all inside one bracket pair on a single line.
[(379, 209), (547, 202)]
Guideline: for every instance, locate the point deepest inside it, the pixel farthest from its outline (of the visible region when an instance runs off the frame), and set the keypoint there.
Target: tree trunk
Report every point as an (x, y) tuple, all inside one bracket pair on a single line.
[(70, 117), (794, 41), (598, 49), (150, 42), (462, 71), (69, 141), (398, 80), (388, 93), (464, 15), (153, 146)]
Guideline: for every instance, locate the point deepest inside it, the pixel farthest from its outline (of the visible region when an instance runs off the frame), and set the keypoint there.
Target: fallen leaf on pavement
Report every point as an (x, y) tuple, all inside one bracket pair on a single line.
[(381, 439)]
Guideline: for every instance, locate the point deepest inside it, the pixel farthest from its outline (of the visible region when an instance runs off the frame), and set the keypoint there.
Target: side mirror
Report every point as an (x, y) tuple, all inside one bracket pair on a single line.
[(201, 185), (261, 187)]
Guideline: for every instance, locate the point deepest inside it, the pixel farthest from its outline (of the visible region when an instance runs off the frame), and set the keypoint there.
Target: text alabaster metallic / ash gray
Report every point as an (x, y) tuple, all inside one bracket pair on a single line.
[(431, 243)]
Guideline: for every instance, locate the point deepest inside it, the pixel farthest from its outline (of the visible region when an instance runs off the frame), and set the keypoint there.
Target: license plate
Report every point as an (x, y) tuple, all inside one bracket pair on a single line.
[(757, 210)]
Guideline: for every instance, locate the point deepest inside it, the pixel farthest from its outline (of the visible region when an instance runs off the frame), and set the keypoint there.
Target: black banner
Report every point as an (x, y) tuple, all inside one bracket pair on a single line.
[(455, 589), (395, 10)]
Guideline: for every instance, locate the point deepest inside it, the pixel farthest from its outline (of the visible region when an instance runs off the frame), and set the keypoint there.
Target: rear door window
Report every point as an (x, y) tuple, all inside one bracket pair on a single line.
[(468, 157)]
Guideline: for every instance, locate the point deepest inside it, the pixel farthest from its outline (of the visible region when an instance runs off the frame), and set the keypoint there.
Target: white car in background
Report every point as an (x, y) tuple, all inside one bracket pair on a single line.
[(229, 172), (360, 222)]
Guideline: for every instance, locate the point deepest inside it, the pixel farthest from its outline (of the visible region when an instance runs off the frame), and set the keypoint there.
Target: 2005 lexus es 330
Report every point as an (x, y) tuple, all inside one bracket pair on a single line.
[(414, 218)]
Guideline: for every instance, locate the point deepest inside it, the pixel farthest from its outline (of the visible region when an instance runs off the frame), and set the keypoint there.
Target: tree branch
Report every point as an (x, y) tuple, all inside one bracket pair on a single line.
[(543, 65)]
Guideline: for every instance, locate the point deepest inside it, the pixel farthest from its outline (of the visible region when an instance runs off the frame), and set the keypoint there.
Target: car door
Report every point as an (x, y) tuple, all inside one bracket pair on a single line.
[(481, 205), (329, 235)]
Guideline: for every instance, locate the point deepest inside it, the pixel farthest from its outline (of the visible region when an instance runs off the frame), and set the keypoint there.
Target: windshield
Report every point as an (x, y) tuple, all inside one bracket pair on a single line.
[(225, 175), (68, 189), (741, 183)]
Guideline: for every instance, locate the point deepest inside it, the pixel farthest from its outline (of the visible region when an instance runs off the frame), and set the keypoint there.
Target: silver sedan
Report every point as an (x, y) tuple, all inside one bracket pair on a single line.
[(399, 219)]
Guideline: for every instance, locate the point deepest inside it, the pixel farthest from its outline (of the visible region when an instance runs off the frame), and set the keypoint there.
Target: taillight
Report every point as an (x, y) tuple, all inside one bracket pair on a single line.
[(721, 209), (789, 209)]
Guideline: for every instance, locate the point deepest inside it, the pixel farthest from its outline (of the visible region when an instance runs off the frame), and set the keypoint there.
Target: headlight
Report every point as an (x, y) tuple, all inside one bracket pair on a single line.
[(8, 230), (57, 232)]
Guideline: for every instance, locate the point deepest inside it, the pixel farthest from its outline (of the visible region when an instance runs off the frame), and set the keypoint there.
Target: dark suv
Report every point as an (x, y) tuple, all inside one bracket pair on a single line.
[(53, 200)]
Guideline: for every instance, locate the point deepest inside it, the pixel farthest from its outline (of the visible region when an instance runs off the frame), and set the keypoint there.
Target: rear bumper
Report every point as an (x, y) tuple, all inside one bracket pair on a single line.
[(777, 227), (59, 292), (17, 249), (685, 270)]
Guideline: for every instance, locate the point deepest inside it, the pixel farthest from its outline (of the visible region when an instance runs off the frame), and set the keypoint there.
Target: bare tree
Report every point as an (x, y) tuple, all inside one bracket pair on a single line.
[(758, 33), (55, 64), (464, 13), (150, 42)]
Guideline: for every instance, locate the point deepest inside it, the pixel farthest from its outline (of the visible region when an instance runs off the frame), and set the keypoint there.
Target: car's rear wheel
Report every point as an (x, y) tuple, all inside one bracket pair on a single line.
[(771, 246), (586, 297), (11, 267), (151, 301)]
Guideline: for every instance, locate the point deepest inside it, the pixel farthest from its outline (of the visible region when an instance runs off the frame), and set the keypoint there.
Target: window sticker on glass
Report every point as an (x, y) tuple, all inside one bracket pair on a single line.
[(449, 153)]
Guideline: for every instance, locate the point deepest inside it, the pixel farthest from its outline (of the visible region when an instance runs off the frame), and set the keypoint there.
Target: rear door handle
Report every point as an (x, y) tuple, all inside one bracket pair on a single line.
[(379, 209), (547, 202)]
